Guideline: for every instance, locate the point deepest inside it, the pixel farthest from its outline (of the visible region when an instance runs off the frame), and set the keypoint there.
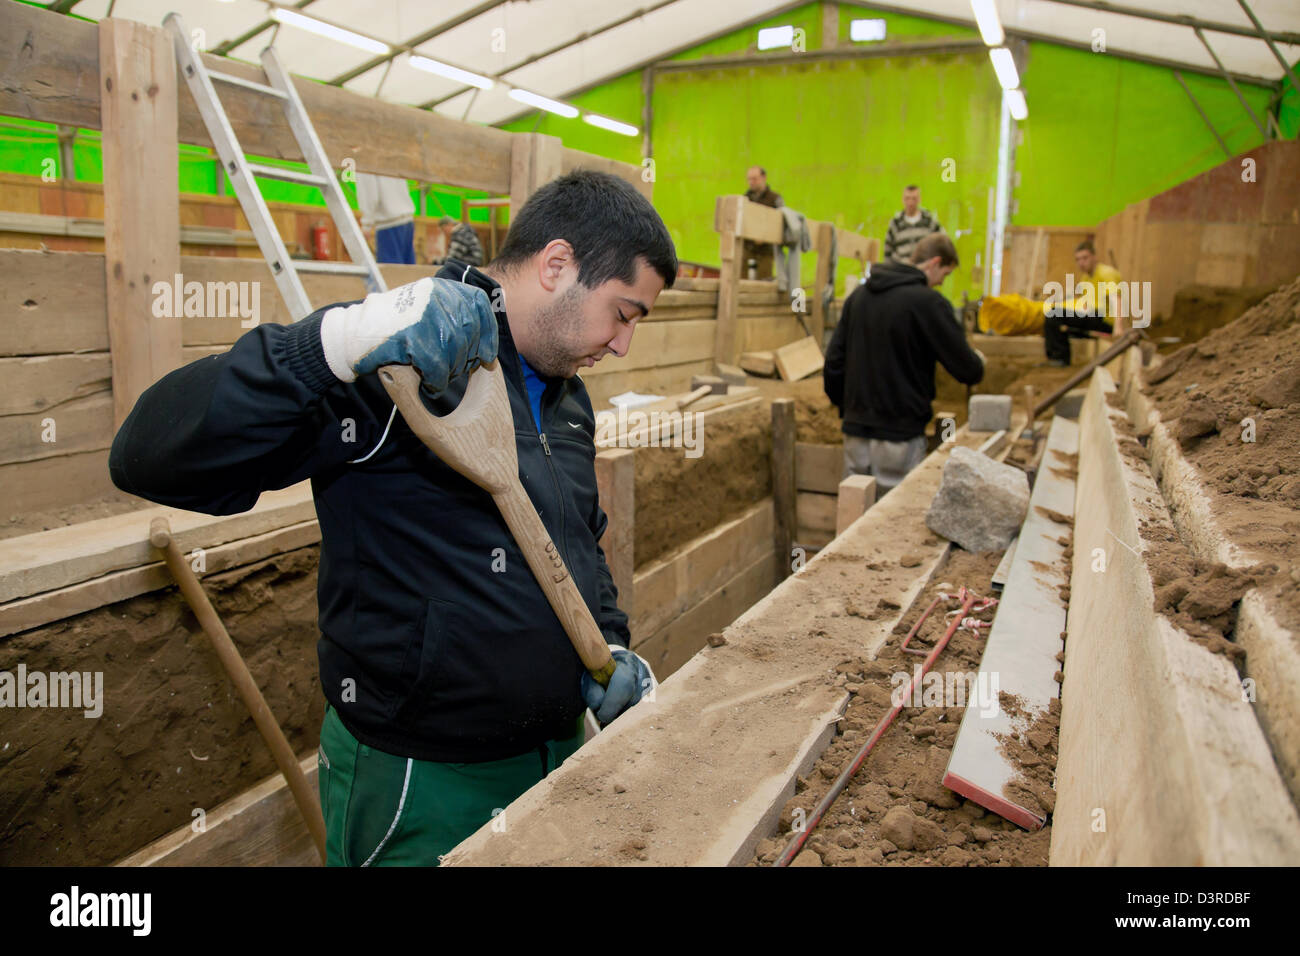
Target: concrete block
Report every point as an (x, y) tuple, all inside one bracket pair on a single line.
[(980, 503), (989, 413)]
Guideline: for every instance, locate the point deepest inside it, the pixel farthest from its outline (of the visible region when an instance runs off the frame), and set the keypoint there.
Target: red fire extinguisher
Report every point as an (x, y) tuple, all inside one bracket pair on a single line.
[(320, 241)]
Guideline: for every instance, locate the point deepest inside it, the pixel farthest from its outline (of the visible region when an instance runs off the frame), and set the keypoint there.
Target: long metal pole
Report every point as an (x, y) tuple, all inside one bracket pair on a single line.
[(1263, 130), (1267, 38), (1179, 77)]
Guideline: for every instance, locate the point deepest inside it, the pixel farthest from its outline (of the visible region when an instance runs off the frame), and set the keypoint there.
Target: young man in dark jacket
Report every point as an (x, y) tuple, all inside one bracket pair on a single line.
[(451, 685), (880, 364)]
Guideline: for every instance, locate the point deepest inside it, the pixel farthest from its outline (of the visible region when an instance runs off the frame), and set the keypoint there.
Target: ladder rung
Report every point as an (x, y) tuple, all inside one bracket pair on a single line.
[(325, 265), (288, 175), (246, 84)]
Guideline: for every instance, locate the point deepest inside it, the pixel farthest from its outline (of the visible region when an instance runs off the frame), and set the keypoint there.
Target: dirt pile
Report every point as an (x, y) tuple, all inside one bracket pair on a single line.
[(896, 810), (1233, 401), (173, 734), (1200, 309), (680, 498)]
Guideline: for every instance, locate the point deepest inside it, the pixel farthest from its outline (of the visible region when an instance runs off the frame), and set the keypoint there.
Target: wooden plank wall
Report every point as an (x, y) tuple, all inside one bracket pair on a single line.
[(54, 363), (676, 340), (1038, 255), (210, 225), (1215, 229)]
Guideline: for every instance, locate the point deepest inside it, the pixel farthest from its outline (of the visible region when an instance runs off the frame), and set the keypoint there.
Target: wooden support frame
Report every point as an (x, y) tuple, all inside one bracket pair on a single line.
[(784, 492), (736, 219), (616, 486)]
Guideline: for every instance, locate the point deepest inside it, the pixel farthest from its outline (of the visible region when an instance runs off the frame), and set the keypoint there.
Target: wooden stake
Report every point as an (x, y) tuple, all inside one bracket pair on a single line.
[(783, 483)]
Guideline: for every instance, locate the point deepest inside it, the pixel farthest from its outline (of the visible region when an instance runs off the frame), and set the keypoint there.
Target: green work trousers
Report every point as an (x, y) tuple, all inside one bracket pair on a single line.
[(384, 810)]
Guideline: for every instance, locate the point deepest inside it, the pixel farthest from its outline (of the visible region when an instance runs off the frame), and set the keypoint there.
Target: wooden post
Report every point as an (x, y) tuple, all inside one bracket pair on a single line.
[(137, 76), (822, 233), (857, 494), (616, 486), (727, 220), (534, 162), (783, 484), (830, 26)]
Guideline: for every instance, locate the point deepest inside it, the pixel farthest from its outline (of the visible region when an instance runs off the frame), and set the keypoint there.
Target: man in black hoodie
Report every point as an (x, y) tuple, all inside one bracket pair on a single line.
[(879, 368), (451, 685)]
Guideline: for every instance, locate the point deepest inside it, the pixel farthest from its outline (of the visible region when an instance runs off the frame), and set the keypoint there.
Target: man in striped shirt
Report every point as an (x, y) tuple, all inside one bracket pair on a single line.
[(909, 227), (462, 242)]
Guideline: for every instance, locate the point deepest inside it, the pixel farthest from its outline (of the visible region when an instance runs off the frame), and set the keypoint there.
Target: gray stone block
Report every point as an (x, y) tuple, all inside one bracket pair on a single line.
[(980, 504), (989, 413)]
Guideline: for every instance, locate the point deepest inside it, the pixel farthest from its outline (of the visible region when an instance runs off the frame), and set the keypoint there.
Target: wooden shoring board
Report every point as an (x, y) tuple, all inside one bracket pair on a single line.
[(33, 563), (664, 428), (759, 363), (1020, 654), (737, 780), (29, 612), (1161, 760), (672, 585), (1272, 649), (818, 467), (799, 359), (260, 827)]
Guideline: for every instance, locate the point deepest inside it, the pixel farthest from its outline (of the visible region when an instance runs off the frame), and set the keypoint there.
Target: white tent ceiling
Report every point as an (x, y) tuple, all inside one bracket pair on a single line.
[(577, 44)]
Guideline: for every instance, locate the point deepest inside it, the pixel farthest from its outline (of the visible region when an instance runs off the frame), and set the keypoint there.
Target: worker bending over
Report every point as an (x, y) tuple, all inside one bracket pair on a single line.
[(879, 368), (451, 685)]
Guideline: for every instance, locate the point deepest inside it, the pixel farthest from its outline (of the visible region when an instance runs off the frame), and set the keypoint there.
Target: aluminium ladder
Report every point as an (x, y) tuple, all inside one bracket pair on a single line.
[(243, 173)]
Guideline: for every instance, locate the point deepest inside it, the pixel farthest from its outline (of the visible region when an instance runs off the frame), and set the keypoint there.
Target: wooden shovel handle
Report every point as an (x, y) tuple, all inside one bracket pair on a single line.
[(478, 441)]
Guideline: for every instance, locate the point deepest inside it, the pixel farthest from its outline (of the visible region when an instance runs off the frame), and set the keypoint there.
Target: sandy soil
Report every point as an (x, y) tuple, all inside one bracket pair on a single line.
[(173, 736), (896, 811), (1211, 394), (679, 498), (1200, 309)]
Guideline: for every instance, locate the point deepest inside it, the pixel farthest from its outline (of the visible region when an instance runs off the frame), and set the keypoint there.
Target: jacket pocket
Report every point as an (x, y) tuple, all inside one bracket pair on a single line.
[(425, 657)]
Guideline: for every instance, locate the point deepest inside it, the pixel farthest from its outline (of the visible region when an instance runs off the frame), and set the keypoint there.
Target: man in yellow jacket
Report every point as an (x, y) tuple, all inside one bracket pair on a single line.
[(1085, 308)]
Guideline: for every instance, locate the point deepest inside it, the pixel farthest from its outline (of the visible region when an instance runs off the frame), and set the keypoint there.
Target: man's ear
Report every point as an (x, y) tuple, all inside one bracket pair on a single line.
[(552, 262)]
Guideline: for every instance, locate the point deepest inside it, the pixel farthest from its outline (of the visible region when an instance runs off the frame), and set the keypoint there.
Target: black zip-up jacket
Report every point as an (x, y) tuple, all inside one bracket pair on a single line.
[(436, 641), (879, 368)]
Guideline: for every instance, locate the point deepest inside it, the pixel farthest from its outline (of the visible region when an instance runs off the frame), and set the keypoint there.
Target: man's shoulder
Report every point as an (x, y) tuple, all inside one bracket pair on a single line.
[(1106, 273)]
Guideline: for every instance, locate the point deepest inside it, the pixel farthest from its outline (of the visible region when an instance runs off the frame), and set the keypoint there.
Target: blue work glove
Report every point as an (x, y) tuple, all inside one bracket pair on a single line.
[(632, 680), (440, 327)]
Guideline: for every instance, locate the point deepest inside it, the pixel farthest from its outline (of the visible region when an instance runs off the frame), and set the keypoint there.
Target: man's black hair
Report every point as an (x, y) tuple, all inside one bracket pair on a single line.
[(608, 223), (908, 188), (1086, 246)]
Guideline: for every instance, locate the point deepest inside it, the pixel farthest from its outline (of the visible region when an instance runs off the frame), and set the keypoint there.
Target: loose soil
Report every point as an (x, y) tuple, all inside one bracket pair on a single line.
[(173, 735), (896, 811), (1211, 394), (1200, 309), (679, 498)]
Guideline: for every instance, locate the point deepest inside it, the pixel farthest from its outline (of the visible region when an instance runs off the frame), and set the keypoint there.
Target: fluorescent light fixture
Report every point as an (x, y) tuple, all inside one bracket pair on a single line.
[(449, 72), (614, 126), (864, 31), (328, 30), (1004, 65), (773, 38), (544, 103), (986, 16), (1016, 103)]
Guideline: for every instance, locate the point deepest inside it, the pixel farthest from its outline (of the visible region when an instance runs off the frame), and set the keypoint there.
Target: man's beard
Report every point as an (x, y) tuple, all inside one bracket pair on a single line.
[(557, 333)]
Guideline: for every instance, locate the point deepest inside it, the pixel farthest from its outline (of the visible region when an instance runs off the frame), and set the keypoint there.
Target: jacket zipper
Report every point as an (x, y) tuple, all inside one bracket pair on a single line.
[(546, 448)]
